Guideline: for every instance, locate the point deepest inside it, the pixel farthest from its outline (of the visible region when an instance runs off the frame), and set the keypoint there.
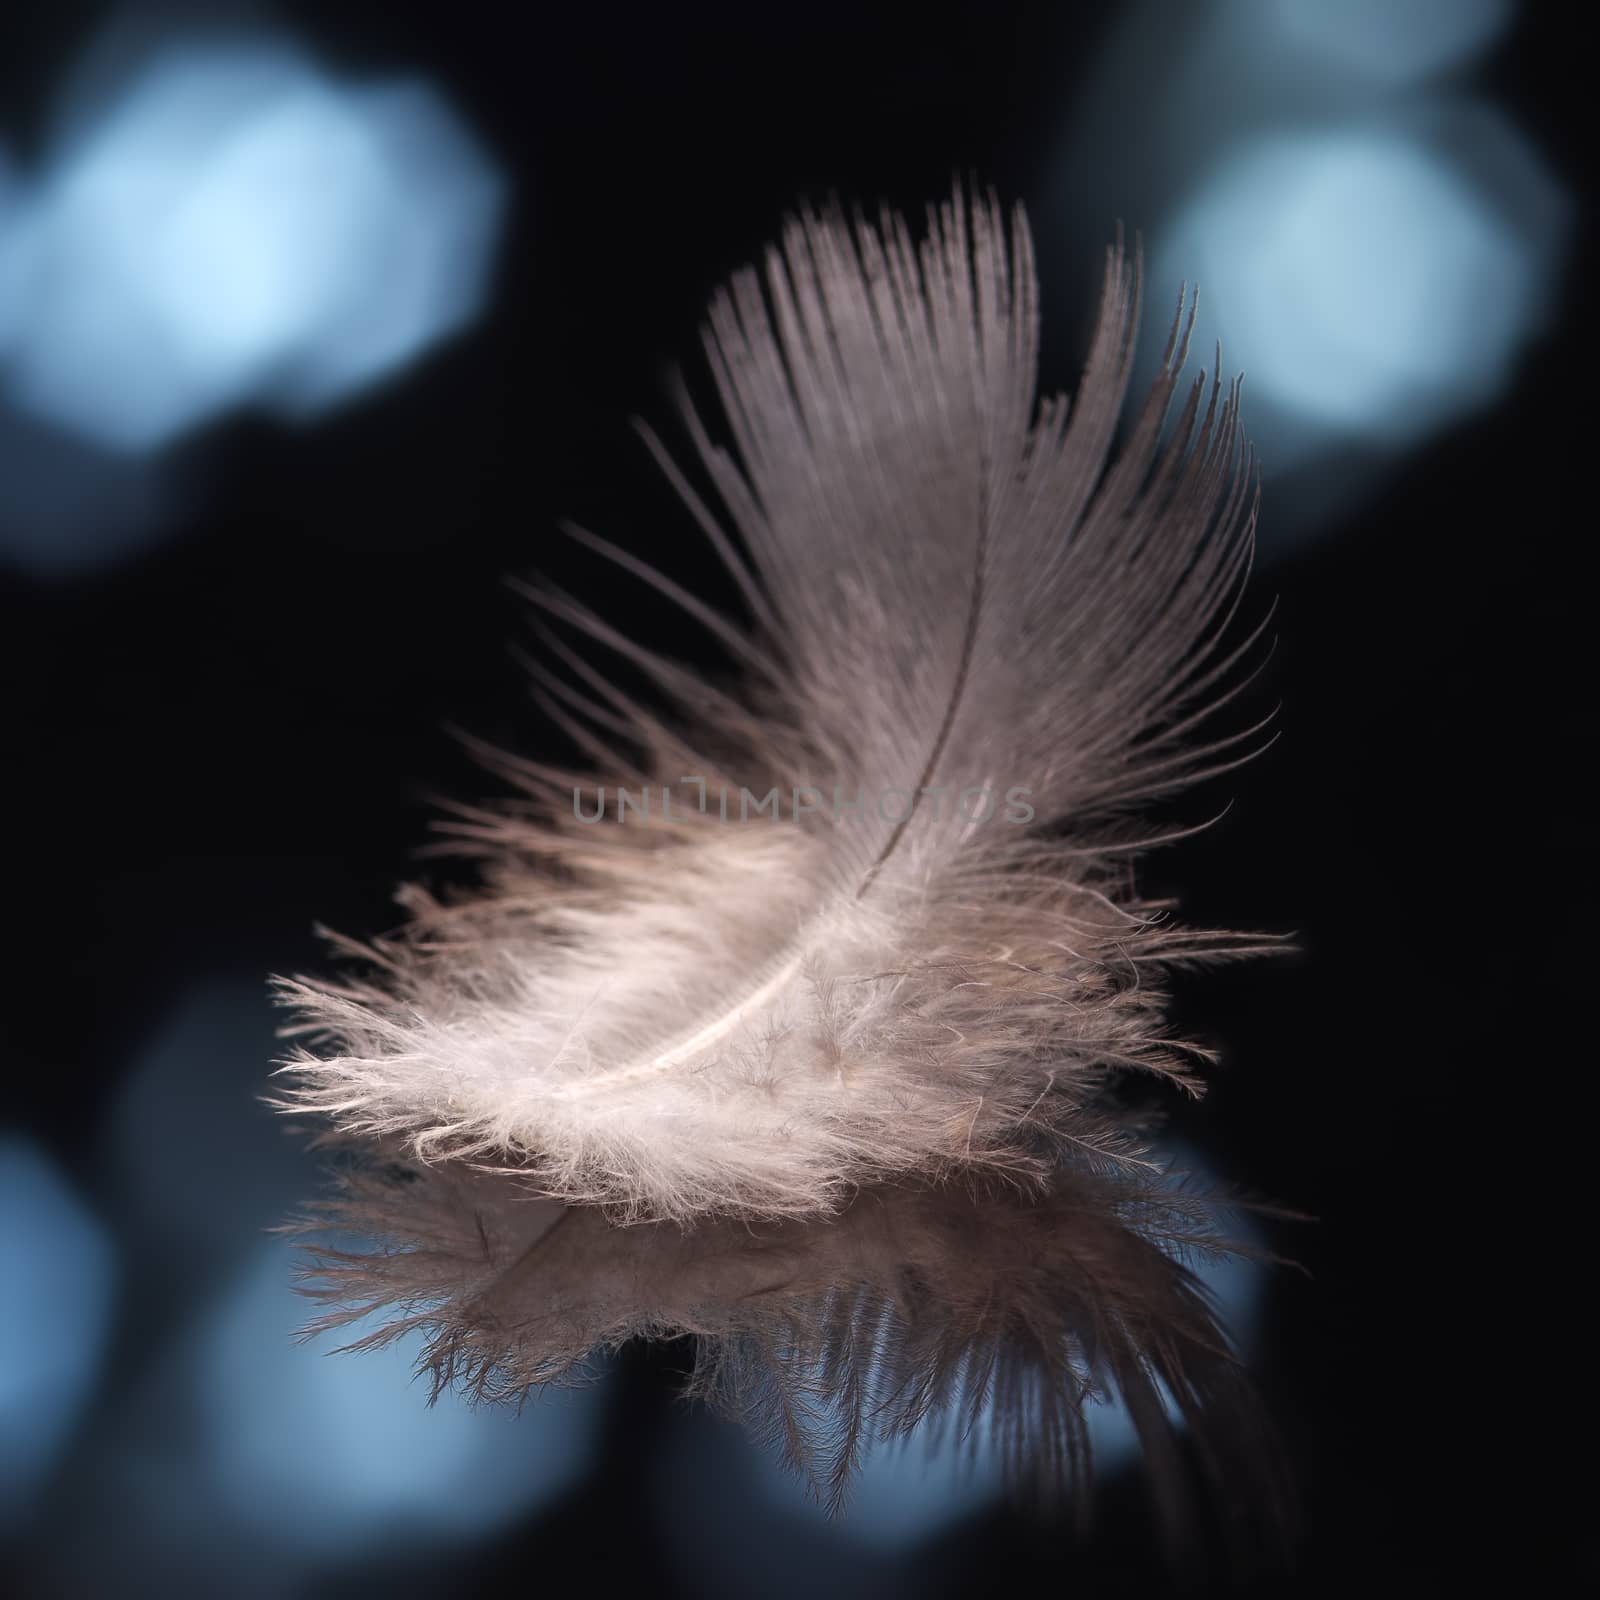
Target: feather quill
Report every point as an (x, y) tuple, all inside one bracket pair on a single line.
[(827, 1085)]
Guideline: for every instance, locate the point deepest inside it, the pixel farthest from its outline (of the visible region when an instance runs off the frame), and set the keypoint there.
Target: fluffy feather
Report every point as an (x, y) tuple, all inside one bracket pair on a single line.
[(951, 591)]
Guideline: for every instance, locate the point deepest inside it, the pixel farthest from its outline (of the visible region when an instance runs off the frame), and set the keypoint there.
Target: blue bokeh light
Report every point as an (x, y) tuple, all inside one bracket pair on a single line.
[(1367, 282), (56, 1294), (1394, 42), (1375, 247), (188, 1118), (233, 226), (10, 217), (322, 1451)]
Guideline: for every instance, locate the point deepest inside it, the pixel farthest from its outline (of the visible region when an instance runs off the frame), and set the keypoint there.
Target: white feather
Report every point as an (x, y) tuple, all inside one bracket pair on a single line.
[(951, 591)]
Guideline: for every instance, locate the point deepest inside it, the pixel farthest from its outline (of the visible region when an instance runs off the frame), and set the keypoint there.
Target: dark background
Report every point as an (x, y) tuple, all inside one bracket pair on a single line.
[(221, 739)]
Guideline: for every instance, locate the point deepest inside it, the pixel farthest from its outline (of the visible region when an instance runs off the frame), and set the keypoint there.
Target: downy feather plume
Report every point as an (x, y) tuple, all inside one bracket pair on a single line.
[(825, 1084), (977, 648)]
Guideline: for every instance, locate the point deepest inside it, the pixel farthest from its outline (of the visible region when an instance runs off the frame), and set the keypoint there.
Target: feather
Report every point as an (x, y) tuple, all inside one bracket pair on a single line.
[(976, 648), (969, 1310), (826, 1082)]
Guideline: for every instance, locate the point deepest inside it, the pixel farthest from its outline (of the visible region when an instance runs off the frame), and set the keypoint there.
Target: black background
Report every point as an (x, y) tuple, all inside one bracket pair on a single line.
[(213, 744)]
